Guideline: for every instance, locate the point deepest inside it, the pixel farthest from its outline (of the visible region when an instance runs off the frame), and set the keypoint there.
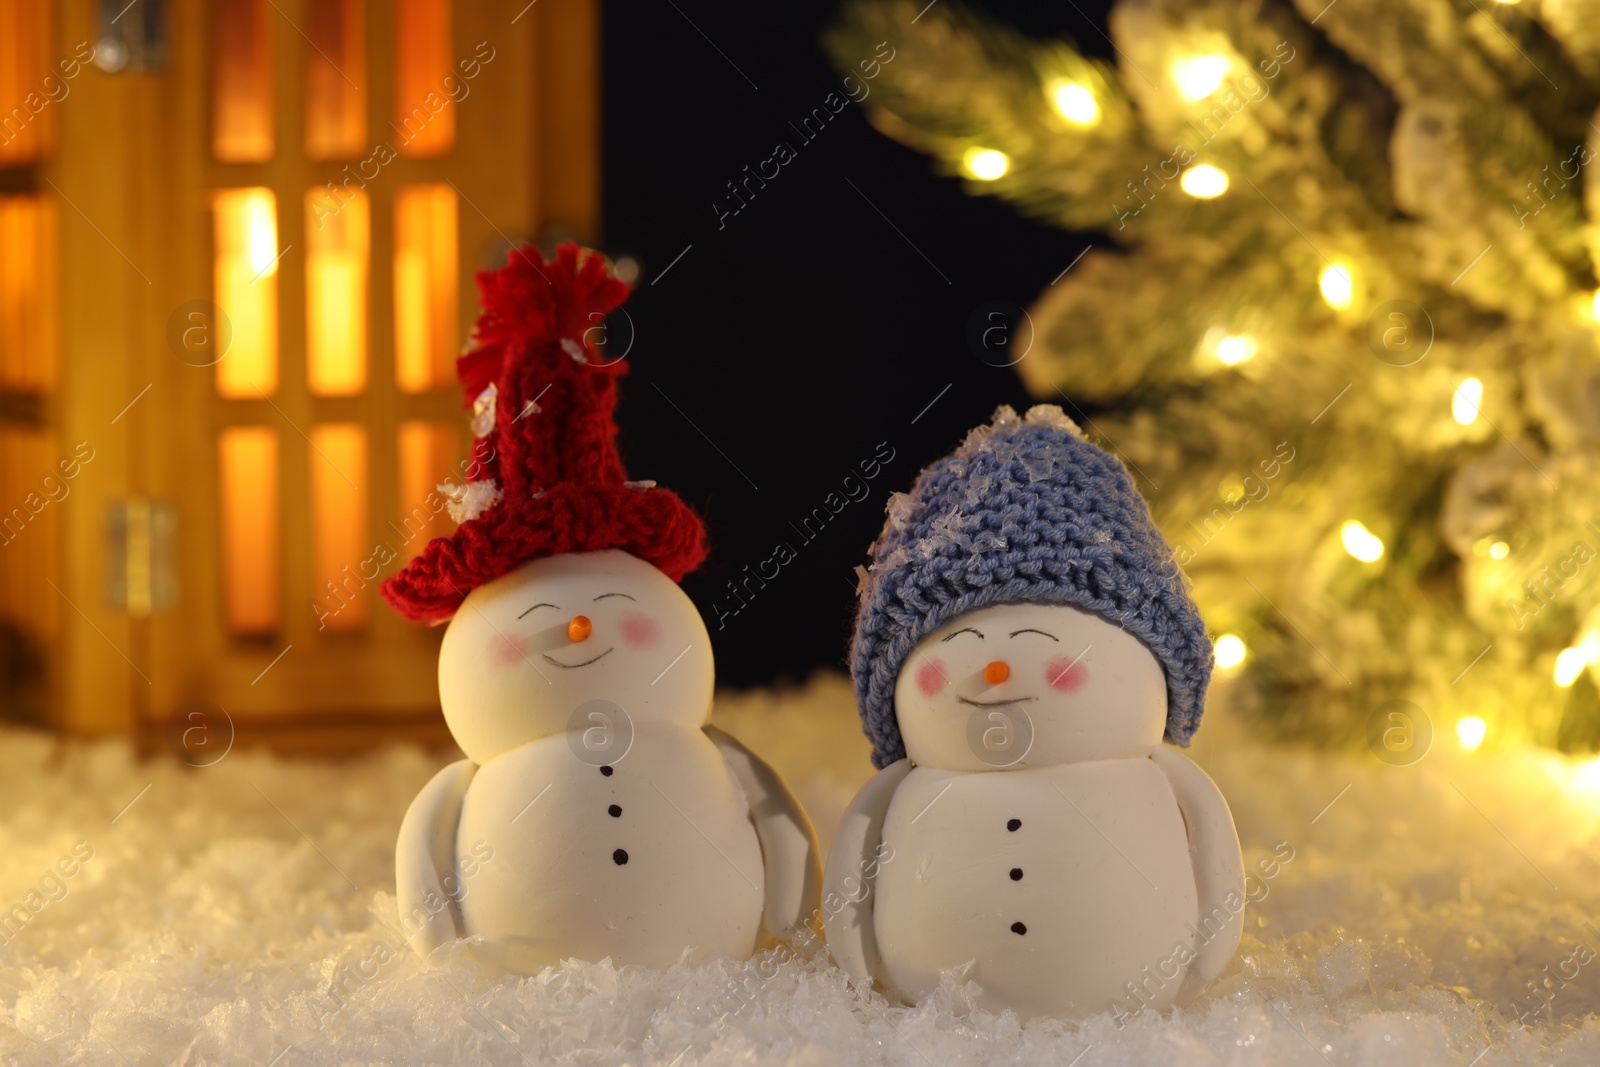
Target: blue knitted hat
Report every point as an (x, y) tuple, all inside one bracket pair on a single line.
[(1025, 511)]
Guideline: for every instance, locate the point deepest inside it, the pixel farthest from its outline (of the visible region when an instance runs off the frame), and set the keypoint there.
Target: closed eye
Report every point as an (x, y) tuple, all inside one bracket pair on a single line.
[(602, 596), (964, 630), (536, 607), (1031, 630)]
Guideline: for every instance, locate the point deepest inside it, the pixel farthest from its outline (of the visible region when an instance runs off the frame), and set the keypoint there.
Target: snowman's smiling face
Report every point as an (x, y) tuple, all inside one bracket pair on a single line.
[(1029, 685), (526, 651)]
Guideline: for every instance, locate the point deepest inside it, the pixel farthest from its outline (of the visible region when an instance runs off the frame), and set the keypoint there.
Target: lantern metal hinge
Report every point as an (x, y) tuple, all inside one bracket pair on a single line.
[(141, 570)]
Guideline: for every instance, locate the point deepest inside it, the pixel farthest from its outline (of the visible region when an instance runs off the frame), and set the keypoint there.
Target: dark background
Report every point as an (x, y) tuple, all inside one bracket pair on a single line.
[(806, 331)]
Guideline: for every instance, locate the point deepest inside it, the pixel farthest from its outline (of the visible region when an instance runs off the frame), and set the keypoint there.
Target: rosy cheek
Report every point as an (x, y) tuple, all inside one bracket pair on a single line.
[(640, 630), (507, 649), (931, 678), (1066, 675)]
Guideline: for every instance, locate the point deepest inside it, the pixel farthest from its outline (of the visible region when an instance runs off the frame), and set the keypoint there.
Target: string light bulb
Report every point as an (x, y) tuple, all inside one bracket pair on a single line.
[(1570, 662), (1338, 286), (1464, 405), (1361, 542), (1197, 77), (1235, 349), (1230, 651), (1204, 182), (1075, 103), (985, 164), (1470, 731), (1491, 547)]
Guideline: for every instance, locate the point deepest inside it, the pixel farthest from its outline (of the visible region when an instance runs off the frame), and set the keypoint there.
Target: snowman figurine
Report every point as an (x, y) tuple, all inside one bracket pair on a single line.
[(1024, 643), (597, 813)]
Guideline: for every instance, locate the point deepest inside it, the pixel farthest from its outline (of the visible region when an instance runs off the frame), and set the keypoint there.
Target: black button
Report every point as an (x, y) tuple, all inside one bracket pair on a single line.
[(1014, 825), (616, 811), (1016, 874), (607, 771), (620, 856), (1018, 928)]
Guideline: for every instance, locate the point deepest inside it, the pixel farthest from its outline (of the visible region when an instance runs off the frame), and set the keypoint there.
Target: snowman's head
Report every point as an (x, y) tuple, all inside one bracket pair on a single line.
[(559, 641), (1029, 685)]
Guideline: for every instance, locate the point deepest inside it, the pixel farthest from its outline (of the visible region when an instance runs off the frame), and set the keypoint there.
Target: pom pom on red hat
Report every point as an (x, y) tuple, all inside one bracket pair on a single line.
[(545, 476)]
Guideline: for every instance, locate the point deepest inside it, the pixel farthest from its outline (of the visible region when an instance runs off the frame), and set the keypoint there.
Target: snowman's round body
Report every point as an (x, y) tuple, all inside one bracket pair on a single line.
[(636, 860), (597, 814), (1038, 839), (1061, 885)]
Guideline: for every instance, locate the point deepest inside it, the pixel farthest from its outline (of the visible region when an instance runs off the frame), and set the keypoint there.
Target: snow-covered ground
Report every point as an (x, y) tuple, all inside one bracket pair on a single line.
[(244, 913)]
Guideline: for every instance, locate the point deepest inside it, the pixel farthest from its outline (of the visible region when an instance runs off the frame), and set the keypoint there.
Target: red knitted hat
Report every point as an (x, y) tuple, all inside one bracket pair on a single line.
[(546, 477)]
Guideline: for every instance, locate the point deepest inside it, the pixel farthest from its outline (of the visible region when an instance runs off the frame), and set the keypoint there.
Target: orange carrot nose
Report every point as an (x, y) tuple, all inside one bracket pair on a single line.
[(996, 672), (580, 628)]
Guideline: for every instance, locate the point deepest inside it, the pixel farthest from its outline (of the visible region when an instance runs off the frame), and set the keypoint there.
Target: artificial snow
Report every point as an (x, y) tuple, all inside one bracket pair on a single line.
[(1438, 913), (467, 500)]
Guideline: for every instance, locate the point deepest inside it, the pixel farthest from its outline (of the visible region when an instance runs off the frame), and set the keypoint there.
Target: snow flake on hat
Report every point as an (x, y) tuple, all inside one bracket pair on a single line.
[(1039, 464), (1051, 415), (943, 532), (900, 507), (468, 500), (483, 409)]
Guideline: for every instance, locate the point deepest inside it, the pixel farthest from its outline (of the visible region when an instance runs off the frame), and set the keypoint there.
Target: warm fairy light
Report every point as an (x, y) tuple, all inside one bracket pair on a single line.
[(1570, 664), (1337, 286), (985, 164), (1075, 103), (1230, 651), (1470, 732), (1595, 306), (1198, 77), (1488, 546), (1571, 661), (1360, 542), (1469, 394), (1236, 348), (1204, 182)]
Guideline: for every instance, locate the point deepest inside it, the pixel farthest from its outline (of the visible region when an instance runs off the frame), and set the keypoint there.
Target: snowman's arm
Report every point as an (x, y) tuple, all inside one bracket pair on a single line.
[(851, 874), (1214, 852), (427, 886), (789, 851)]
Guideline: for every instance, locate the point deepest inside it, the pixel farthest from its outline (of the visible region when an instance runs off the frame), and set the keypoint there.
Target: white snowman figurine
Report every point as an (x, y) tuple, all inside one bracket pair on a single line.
[(597, 813), (1023, 644)]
